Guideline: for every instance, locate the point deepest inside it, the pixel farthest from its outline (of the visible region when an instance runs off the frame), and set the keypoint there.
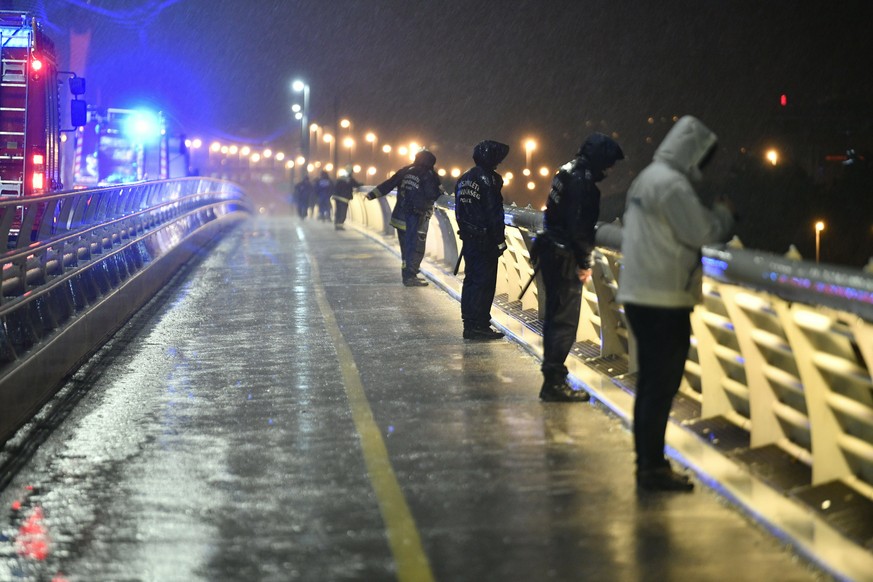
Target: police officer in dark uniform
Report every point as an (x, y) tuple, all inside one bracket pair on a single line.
[(303, 192), (479, 210), (343, 190), (563, 253), (418, 187)]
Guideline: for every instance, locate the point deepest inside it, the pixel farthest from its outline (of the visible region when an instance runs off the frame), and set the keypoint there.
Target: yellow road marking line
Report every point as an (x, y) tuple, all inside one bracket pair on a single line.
[(403, 537)]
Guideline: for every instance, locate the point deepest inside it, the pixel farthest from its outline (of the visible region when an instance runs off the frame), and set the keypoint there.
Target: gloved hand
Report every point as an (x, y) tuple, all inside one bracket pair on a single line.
[(371, 195)]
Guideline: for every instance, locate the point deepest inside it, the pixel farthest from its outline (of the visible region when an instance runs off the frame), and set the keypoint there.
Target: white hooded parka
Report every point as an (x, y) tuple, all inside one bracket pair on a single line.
[(665, 224)]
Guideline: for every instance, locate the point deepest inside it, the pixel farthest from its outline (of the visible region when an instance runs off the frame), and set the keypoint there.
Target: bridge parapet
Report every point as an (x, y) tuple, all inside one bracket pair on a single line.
[(77, 265), (779, 371)]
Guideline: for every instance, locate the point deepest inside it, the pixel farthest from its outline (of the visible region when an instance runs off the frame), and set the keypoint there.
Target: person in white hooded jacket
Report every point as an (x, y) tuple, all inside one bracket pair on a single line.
[(664, 227)]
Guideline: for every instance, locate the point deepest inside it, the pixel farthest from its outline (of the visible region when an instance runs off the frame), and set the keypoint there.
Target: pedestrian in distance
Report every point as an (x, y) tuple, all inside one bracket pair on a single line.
[(563, 254), (479, 211), (418, 187), (303, 192), (323, 190), (345, 186), (664, 227)]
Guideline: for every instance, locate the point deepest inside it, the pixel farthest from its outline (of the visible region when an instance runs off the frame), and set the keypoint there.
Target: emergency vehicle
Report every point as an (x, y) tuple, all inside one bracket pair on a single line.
[(120, 146), (30, 124)]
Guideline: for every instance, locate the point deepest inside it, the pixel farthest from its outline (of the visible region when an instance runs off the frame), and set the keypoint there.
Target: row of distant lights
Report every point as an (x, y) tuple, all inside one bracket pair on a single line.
[(266, 154)]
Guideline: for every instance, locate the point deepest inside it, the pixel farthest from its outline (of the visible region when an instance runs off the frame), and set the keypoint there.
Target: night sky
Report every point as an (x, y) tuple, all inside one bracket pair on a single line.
[(450, 73)]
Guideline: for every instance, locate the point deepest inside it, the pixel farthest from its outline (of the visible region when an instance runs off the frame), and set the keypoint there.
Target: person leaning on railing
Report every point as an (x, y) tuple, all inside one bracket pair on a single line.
[(418, 186), (664, 227), (563, 253)]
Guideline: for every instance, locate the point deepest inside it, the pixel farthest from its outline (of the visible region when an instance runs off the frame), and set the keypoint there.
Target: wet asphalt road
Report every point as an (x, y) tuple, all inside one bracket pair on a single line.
[(289, 411)]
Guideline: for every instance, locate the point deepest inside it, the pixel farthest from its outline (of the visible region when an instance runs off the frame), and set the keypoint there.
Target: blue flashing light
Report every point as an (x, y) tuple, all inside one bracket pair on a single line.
[(142, 127), (714, 268)]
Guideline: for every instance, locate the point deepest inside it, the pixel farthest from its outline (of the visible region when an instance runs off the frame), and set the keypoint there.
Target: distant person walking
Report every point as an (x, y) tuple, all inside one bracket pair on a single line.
[(303, 193), (664, 227), (323, 190), (479, 210), (418, 187), (563, 253), (345, 186)]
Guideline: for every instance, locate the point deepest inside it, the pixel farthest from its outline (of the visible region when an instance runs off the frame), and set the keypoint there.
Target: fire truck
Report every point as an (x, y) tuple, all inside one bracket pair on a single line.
[(120, 146), (30, 124)]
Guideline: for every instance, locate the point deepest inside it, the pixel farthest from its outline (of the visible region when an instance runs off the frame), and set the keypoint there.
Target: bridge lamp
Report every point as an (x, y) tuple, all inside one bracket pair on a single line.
[(529, 146), (819, 227), (299, 86)]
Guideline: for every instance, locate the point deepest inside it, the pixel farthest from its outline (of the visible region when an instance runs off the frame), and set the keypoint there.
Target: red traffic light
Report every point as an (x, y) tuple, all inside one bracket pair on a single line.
[(783, 100)]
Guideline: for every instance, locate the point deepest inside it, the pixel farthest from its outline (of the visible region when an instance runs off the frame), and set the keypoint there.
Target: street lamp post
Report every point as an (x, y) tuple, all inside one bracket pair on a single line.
[(371, 139), (299, 86), (330, 140), (819, 226), (349, 142), (529, 146)]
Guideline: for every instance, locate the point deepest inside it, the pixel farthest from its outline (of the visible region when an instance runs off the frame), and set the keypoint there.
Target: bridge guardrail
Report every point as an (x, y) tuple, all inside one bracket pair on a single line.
[(782, 350), (77, 265)]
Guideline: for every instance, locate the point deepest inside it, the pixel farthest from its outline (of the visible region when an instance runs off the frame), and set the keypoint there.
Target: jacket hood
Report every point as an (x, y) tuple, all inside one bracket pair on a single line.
[(686, 145), (425, 158), (601, 152), (489, 153)]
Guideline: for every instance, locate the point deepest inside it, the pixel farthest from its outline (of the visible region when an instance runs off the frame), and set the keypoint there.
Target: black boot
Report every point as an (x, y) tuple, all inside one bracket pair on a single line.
[(481, 333), (561, 391), (663, 479), (414, 282), (411, 278)]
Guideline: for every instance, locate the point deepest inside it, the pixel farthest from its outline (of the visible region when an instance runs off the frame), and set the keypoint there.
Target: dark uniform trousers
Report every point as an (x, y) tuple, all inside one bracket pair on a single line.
[(663, 339), (342, 209), (480, 281), (412, 242), (563, 304)]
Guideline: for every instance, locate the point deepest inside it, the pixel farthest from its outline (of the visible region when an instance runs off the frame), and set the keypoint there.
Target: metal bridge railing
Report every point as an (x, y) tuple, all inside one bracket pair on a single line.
[(76, 265), (781, 355)]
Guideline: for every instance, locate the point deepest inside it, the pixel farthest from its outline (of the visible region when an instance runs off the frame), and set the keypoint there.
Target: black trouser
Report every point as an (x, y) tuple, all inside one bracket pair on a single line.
[(412, 242), (302, 206), (342, 208), (663, 337), (324, 208), (480, 280), (563, 304)]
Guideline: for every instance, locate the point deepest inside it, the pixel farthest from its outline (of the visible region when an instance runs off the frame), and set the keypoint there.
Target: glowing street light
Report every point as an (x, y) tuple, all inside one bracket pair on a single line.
[(544, 172), (349, 143), (772, 156), (529, 146), (819, 226), (371, 139)]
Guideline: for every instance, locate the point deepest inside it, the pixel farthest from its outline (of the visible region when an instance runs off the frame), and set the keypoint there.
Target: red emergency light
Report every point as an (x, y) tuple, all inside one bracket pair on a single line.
[(38, 173)]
